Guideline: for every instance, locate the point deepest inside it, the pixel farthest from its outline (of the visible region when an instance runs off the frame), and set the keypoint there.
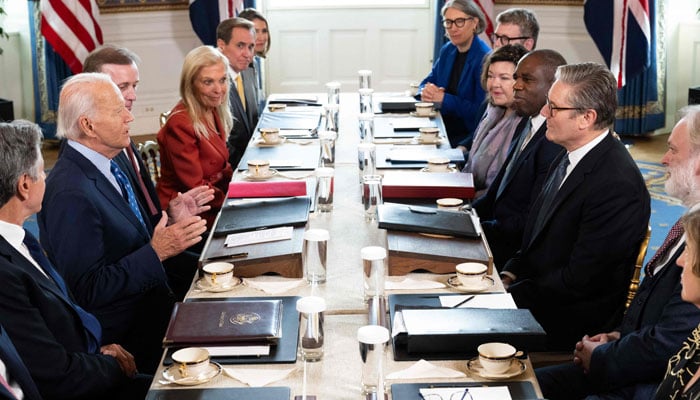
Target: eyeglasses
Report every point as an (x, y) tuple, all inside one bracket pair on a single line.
[(553, 108), (461, 395), (459, 22), (505, 39)]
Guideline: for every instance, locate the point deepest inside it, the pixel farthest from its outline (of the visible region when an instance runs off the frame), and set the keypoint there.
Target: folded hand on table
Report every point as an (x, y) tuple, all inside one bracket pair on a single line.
[(124, 358)]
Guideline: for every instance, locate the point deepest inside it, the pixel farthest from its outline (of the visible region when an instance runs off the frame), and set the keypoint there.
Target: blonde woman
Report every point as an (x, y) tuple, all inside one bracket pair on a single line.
[(193, 140)]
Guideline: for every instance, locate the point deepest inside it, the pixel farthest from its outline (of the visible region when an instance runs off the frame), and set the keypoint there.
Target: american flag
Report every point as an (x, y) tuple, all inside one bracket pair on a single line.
[(205, 16), (72, 28), (487, 8), (622, 32)]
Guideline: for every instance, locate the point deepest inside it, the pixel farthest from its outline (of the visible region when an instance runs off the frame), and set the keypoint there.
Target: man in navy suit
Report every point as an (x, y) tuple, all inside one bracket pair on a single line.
[(235, 38), (583, 232), (94, 231), (58, 341), (14, 373), (121, 66), (505, 206), (630, 361)]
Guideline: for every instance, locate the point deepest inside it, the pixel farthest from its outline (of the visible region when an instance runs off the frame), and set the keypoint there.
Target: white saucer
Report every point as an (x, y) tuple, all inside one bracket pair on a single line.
[(172, 374), (203, 284), (485, 284), (431, 115), (517, 367), (270, 173), (262, 143), (451, 169)]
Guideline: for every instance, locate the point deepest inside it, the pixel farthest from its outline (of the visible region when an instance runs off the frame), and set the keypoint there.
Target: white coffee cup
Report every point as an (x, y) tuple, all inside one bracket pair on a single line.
[(496, 357), (429, 134), (218, 273), (259, 168), (270, 135), (449, 203), (471, 273), (439, 164), (413, 88), (192, 361), (424, 109)]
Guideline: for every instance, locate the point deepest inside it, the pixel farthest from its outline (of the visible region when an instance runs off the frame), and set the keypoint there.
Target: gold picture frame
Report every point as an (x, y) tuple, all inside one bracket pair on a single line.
[(116, 6), (543, 2)]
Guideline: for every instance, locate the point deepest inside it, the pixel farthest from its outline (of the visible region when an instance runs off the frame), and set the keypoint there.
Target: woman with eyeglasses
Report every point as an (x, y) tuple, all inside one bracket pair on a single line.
[(499, 121), (682, 380), (454, 82)]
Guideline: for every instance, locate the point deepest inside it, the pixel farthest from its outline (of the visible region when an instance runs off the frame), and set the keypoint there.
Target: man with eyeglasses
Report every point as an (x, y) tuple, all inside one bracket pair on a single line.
[(516, 25), (583, 233)]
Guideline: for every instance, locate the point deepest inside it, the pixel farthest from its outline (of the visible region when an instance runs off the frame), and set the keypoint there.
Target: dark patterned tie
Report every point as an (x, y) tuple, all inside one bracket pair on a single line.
[(669, 243), (127, 191), (550, 191), (93, 329)]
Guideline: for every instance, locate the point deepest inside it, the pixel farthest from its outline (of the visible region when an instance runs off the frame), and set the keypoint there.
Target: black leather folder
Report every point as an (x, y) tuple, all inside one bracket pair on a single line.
[(264, 213), (239, 393), (290, 120), (298, 157), (409, 218), (285, 352), (410, 391)]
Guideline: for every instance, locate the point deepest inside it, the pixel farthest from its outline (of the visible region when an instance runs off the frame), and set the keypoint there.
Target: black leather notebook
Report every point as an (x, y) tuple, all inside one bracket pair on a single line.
[(290, 120), (264, 213), (240, 393), (410, 391), (409, 218), (284, 158), (285, 352)]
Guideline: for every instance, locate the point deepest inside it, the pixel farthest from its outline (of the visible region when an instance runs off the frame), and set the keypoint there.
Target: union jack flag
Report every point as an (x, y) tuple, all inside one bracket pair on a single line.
[(205, 16), (621, 30)]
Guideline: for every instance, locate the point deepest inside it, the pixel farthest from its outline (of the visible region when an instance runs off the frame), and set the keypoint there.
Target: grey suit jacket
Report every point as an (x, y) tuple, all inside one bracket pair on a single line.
[(245, 119)]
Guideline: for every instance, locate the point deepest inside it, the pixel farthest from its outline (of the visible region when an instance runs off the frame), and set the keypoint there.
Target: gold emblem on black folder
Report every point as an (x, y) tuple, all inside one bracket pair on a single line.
[(244, 318)]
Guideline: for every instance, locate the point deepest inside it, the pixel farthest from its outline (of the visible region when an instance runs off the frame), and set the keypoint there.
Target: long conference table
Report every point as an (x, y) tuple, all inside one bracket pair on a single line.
[(338, 374)]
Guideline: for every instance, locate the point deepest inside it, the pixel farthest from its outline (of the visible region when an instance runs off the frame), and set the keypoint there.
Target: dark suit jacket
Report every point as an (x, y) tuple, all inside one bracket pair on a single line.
[(503, 217), (573, 274), (245, 120), (48, 333), (103, 252), (16, 370)]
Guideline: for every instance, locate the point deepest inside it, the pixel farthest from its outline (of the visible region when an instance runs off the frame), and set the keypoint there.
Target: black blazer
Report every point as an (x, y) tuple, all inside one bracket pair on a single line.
[(503, 216), (49, 335), (16, 370), (574, 272), (245, 120)]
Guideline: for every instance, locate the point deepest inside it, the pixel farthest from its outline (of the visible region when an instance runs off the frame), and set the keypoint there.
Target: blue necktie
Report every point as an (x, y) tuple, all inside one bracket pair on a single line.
[(127, 191), (93, 329)]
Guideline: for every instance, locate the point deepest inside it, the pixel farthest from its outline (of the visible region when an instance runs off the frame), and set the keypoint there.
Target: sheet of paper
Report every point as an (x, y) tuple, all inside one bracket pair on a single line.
[(496, 300), (477, 393), (227, 351), (261, 236)]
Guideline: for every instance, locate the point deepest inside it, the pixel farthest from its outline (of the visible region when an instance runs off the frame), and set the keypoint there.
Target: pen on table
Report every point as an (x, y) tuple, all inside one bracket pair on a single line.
[(237, 255), (463, 301)]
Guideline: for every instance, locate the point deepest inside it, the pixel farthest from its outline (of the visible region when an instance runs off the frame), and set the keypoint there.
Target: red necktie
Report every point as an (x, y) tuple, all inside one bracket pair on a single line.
[(146, 194), (671, 239)]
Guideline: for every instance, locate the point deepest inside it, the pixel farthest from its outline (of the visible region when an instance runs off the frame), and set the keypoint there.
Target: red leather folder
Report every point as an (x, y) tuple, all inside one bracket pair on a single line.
[(267, 189), (401, 184)]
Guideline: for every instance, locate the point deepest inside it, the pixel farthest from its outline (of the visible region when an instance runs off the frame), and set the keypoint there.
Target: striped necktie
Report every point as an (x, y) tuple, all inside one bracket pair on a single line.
[(127, 190), (669, 243)]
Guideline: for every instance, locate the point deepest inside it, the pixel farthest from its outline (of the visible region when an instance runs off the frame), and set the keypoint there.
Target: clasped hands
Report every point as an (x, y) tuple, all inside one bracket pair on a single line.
[(432, 93), (123, 357), (584, 349), (182, 227)]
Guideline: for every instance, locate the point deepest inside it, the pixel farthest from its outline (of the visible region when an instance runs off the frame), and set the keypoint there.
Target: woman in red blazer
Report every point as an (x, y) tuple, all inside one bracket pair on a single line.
[(193, 140)]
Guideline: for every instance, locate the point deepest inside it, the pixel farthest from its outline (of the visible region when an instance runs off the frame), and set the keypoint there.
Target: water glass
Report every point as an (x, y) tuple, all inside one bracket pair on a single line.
[(365, 78), (311, 310), (314, 255), (324, 189), (371, 195), (372, 339), (331, 117), (366, 101), (367, 159), (366, 127), (374, 267), (333, 92), (327, 140)]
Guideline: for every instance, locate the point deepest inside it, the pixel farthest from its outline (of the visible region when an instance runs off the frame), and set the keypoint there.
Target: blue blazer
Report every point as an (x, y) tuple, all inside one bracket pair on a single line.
[(16, 369), (460, 111), (245, 120), (103, 252), (49, 335), (573, 273), (503, 215)]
